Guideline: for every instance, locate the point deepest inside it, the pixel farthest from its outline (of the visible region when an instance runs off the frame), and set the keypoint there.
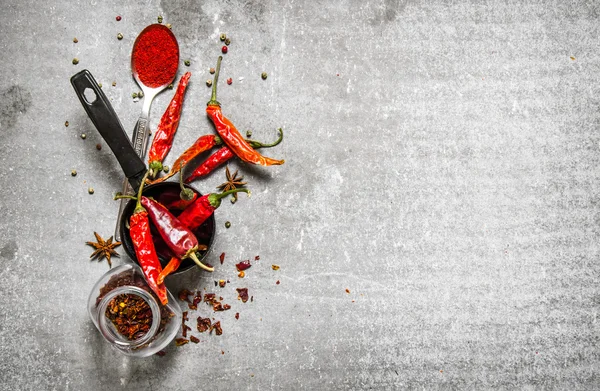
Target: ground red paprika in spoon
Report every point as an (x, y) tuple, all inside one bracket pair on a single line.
[(228, 132), (155, 57)]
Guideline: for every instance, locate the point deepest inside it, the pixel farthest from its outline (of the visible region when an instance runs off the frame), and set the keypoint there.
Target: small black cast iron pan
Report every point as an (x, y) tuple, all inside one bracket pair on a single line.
[(106, 121)]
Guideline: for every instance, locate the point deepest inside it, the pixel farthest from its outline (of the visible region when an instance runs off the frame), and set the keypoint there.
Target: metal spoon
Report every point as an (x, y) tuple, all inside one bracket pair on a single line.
[(140, 132)]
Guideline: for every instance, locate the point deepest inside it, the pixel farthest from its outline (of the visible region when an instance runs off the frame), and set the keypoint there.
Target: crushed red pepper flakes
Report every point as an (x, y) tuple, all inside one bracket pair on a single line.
[(161, 353), (203, 324), (181, 341), (183, 295), (257, 258), (209, 297), (244, 265), (222, 258), (241, 274), (185, 330), (242, 294), (237, 315), (347, 290), (217, 327), (277, 283), (275, 267), (221, 307), (251, 299), (194, 339), (222, 283)]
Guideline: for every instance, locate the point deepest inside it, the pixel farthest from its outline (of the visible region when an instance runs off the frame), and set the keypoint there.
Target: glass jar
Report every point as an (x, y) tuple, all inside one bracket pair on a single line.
[(122, 295)]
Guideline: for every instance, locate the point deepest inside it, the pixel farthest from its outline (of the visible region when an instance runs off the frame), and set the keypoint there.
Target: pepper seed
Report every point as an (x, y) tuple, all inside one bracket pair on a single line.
[(83, 136), (119, 36), (227, 224), (134, 95), (264, 75), (209, 83), (73, 173), (91, 190), (248, 133), (75, 40), (212, 71), (223, 37), (75, 61)]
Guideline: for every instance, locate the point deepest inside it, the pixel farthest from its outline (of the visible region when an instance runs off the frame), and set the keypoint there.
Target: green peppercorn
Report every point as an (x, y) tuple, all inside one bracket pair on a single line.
[(75, 61), (100, 85), (227, 41), (134, 95), (73, 173), (140, 94), (227, 224), (187, 63), (223, 37), (165, 169), (83, 136), (209, 82), (119, 36), (248, 133), (160, 19), (264, 75), (91, 190)]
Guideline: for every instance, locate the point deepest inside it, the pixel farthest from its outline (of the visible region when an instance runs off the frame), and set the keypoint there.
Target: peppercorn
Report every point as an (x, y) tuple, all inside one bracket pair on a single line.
[(114, 83), (83, 136), (170, 86), (165, 169), (168, 25), (187, 63), (118, 18), (227, 41), (264, 75), (229, 81), (66, 123), (73, 173), (99, 85), (119, 36), (224, 49), (160, 19), (223, 37), (140, 94), (75, 40), (209, 83), (75, 61), (233, 200), (91, 190), (98, 146), (248, 133), (134, 95), (227, 224), (212, 71)]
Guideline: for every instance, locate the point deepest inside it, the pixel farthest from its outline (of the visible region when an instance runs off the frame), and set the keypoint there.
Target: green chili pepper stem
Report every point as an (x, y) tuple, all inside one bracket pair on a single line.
[(192, 254), (215, 198), (213, 97), (155, 168), (257, 144), (121, 196), (185, 194), (218, 140), (138, 206)]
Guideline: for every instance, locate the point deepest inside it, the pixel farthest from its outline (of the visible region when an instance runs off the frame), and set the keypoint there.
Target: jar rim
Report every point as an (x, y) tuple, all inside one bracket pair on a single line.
[(107, 328)]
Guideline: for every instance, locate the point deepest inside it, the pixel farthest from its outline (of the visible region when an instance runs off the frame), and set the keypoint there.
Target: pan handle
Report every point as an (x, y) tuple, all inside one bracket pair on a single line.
[(106, 121)]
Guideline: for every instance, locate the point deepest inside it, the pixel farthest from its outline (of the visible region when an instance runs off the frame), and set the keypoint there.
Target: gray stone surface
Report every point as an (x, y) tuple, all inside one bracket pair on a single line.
[(441, 164)]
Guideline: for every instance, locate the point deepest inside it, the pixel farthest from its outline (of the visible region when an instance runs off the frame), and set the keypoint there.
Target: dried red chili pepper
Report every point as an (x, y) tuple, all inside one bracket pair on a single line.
[(179, 238), (200, 210), (139, 230), (228, 132), (203, 143), (163, 137), (223, 155)]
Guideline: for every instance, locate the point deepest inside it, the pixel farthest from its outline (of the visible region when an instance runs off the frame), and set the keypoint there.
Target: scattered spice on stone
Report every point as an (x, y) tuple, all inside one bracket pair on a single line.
[(83, 136), (218, 330), (75, 61), (264, 75), (241, 274), (203, 324), (227, 41), (187, 63), (194, 339), (277, 283), (227, 224), (211, 71), (66, 123), (134, 95), (248, 133), (91, 190), (347, 290), (237, 315), (73, 173), (114, 83), (118, 18), (222, 258), (222, 283), (209, 83), (275, 267), (98, 146), (181, 341), (244, 265), (160, 19), (75, 40), (161, 353), (224, 50), (223, 37), (242, 294), (169, 26), (229, 81), (119, 36)]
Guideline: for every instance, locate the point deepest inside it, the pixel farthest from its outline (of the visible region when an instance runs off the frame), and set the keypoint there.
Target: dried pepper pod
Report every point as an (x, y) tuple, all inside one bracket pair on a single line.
[(228, 132), (176, 235), (163, 137), (198, 212), (139, 230), (223, 155)]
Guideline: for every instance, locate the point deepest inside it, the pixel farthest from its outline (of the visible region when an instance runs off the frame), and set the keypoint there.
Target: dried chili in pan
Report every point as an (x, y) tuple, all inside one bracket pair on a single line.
[(176, 235), (228, 132), (200, 210), (163, 137), (139, 230), (223, 155)]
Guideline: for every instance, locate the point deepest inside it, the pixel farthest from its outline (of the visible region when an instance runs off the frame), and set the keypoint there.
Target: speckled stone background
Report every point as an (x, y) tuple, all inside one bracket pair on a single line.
[(441, 164)]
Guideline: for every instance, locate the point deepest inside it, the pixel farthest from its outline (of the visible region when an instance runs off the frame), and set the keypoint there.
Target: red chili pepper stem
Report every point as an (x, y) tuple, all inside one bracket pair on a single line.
[(215, 198), (213, 97)]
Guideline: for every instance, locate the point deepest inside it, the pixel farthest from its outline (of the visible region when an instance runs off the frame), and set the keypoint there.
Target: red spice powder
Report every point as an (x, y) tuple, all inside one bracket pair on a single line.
[(155, 56)]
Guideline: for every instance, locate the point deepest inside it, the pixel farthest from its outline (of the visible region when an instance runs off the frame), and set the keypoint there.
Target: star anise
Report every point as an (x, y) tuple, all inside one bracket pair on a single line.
[(233, 182), (104, 248)]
